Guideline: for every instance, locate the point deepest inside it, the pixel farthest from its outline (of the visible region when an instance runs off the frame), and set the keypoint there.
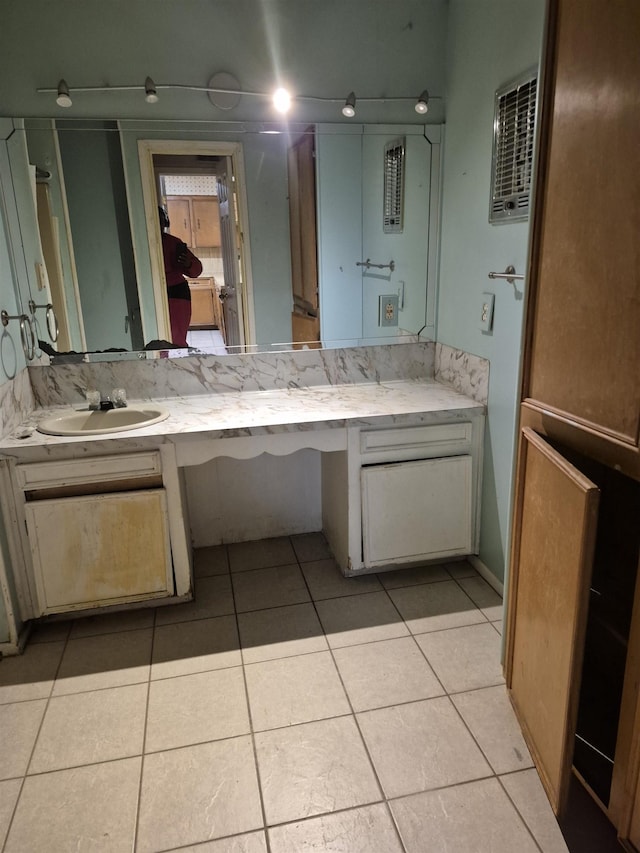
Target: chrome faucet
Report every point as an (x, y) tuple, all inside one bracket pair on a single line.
[(99, 403)]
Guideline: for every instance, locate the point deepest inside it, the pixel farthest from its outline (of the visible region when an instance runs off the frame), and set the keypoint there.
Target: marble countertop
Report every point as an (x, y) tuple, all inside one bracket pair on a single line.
[(256, 412)]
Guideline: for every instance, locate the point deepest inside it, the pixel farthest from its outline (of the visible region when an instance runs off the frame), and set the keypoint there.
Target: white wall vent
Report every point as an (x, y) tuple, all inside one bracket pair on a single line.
[(393, 186), (513, 139)]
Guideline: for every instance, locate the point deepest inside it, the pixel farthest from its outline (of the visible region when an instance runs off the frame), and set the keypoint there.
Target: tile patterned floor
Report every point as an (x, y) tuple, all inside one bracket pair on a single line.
[(287, 709)]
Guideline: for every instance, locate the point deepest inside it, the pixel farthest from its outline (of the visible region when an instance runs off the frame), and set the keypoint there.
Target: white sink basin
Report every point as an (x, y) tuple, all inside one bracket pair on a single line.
[(87, 422)]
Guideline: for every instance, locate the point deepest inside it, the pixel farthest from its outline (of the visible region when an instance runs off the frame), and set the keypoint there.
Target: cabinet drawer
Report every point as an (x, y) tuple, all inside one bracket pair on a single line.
[(101, 469), (438, 439)]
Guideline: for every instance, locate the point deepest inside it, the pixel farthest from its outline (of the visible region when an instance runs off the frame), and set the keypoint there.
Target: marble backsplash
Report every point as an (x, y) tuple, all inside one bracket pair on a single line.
[(44, 386), (158, 378), (16, 402), (466, 373)]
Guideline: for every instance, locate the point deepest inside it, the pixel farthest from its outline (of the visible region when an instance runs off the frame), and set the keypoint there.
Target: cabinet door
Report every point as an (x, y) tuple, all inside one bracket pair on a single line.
[(180, 219), (100, 549), (415, 511), (585, 345), (203, 294), (205, 222), (556, 520)]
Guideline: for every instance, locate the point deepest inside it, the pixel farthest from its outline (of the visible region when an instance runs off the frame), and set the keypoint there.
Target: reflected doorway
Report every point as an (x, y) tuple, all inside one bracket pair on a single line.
[(199, 185)]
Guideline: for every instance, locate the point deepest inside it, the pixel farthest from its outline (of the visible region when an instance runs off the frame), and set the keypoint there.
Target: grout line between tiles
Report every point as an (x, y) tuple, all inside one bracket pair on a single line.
[(251, 730), (35, 741), (528, 828), (354, 715), (144, 735)]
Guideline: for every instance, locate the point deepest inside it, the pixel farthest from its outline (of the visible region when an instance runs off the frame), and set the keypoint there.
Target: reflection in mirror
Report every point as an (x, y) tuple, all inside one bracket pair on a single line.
[(312, 194)]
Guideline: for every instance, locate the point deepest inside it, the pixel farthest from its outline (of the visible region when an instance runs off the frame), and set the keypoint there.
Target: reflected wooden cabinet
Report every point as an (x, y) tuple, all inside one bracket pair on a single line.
[(573, 628), (195, 220), (206, 307)]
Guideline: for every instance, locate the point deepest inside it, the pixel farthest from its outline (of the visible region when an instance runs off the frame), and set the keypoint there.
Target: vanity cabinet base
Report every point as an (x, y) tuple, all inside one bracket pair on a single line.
[(97, 532), (98, 550)]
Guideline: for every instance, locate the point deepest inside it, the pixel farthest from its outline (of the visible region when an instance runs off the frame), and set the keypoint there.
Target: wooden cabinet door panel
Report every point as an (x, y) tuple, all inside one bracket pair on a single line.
[(205, 222), (100, 549), (180, 219), (585, 348), (553, 556)]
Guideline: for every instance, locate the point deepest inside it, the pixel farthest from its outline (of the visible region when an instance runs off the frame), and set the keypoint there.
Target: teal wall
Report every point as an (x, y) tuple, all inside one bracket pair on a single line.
[(489, 44)]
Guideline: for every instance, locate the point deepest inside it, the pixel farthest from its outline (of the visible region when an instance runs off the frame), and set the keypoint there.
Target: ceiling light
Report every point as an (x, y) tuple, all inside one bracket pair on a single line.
[(151, 96), (64, 98), (349, 109), (282, 100), (422, 104)]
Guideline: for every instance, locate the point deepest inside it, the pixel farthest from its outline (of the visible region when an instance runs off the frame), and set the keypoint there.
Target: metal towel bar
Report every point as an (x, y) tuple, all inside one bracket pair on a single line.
[(510, 274), (368, 264)]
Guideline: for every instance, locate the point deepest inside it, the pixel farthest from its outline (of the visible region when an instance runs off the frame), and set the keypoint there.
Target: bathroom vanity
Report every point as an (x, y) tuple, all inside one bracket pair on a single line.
[(103, 520)]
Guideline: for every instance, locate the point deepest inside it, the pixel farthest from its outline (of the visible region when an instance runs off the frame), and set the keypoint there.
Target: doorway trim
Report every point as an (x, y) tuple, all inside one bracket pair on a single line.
[(147, 148)]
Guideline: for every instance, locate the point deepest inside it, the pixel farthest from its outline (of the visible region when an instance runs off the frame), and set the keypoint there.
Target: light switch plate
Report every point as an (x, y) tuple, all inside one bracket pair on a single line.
[(486, 312)]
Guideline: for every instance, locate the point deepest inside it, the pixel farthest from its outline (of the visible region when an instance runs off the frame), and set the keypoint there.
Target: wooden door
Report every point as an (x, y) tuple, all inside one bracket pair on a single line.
[(584, 341), (230, 292), (180, 219), (556, 519), (304, 250), (205, 220)]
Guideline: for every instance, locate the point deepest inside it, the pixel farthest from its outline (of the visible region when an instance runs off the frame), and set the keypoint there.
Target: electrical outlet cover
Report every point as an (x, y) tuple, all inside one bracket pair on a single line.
[(486, 312), (388, 310)]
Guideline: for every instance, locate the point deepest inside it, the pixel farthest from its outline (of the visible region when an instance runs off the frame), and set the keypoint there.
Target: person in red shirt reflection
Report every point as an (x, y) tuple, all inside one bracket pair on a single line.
[(179, 262)]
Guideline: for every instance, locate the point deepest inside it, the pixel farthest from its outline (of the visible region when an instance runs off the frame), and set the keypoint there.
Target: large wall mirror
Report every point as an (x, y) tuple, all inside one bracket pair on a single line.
[(313, 235)]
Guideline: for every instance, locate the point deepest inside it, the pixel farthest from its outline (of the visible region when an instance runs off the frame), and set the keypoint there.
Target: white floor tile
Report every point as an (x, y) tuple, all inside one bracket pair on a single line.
[(434, 606), (386, 673), (108, 660), (490, 717), (196, 708), (86, 808), (30, 675), (464, 658), (314, 768), (420, 746), (280, 632), (274, 587), (360, 619), (86, 728), (197, 646), (294, 690), (526, 791), (262, 554), (361, 830), (327, 581), (9, 791), (19, 724), (476, 817), (198, 793)]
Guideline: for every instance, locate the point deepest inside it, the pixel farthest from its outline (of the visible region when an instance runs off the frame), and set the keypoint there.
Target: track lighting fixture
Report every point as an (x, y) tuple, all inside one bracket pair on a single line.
[(151, 96), (64, 98), (349, 109), (225, 92), (422, 104)]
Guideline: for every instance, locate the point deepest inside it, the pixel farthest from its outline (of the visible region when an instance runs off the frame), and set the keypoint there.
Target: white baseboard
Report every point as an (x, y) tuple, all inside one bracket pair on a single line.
[(487, 574)]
